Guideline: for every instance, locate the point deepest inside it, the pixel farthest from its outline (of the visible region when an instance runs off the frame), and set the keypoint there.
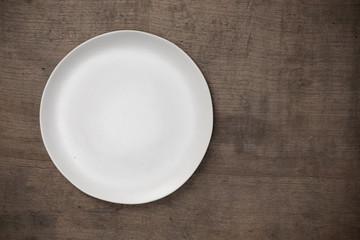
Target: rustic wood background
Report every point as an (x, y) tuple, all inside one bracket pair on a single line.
[(284, 160)]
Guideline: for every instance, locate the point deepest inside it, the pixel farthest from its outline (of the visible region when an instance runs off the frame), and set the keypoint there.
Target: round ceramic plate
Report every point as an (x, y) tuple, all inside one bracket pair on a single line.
[(126, 117)]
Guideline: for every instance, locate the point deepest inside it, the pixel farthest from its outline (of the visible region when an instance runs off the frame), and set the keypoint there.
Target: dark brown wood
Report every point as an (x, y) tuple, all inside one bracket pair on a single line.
[(284, 160)]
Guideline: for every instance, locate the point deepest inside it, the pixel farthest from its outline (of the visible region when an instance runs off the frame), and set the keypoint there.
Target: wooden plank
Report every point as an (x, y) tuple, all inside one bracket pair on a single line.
[(284, 160)]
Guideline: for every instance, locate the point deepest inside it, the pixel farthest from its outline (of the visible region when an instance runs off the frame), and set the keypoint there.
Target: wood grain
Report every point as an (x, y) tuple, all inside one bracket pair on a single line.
[(284, 160)]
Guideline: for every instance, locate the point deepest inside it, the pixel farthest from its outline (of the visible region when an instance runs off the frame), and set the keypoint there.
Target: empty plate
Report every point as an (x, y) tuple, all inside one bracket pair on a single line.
[(126, 117)]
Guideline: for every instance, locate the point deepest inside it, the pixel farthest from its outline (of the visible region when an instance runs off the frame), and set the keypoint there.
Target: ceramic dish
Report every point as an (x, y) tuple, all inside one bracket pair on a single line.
[(126, 117)]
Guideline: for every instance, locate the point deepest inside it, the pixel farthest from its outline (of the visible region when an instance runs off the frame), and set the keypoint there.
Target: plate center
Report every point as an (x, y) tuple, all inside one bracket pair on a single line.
[(128, 112)]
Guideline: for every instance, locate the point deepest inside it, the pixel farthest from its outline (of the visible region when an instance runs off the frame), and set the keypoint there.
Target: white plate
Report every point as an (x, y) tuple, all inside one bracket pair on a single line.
[(126, 117)]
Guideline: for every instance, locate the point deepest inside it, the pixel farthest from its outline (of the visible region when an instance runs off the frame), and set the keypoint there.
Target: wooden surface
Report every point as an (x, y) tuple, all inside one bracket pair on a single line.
[(284, 160)]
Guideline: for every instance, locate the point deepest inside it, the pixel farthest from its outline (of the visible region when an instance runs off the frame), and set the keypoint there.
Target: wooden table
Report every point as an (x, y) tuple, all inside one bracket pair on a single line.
[(284, 160)]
